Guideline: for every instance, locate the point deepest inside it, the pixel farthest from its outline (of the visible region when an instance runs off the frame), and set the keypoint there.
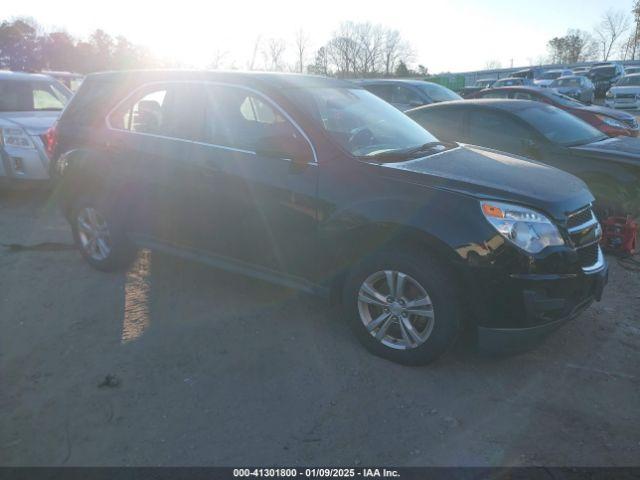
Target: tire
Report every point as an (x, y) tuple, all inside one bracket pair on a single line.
[(116, 252), (437, 332)]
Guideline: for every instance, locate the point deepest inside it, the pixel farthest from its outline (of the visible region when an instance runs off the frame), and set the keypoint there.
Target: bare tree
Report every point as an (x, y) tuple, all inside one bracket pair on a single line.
[(256, 48), (612, 25), (273, 54), (492, 64), (395, 50), (302, 46), (217, 59)]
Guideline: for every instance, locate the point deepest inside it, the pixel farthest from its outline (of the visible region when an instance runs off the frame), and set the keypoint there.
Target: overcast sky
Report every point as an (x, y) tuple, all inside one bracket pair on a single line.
[(447, 35)]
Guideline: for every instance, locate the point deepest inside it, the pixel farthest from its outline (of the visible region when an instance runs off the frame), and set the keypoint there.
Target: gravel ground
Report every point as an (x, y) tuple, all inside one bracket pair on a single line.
[(173, 363)]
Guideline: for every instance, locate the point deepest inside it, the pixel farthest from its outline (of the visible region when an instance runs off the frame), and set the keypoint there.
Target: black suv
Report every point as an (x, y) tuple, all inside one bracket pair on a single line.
[(319, 185), (604, 77)]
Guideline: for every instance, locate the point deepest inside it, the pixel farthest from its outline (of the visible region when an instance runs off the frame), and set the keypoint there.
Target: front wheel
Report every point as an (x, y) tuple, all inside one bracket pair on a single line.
[(99, 237), (404, 307)]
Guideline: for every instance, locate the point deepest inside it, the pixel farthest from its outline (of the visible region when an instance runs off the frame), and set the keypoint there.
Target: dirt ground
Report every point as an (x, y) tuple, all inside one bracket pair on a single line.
[(173, 363)]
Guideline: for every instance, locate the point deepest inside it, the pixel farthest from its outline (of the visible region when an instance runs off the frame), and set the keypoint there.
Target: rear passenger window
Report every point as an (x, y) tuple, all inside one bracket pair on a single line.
[(404, 96), (495, 95), (175, 111), (238, 118), (524, 96)]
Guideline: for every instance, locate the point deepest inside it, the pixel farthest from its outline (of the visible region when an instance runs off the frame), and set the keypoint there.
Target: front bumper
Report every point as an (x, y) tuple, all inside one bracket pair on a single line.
[(515, 312)]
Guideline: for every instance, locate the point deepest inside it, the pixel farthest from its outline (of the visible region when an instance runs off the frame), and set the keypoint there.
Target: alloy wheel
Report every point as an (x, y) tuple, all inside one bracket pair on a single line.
[(395, 309), (93, 233)]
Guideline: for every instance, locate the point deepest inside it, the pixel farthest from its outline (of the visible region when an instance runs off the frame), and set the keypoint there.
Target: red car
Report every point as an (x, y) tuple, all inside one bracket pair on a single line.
[(609, 121)]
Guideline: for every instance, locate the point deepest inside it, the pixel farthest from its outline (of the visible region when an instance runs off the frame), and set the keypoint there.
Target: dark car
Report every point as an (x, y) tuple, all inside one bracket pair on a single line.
[(607, 120), (610, 166), (605, 76), (407, 94), (318, 185)]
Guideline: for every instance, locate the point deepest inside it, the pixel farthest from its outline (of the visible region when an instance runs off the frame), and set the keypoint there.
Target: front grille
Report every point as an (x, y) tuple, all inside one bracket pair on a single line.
[(625, 95), (588, 255), (579, 218)]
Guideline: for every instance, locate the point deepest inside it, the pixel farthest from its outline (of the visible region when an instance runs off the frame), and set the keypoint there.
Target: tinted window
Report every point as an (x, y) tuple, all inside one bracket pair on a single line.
[(360, 122), (444, 123), (171, 110), (438, 93), (498, 94), (238, 118), (630, 81), (559, 126), (496, 130), (603, 72), (524, 96), (550, 75), (383, 91), (19, 96), (567, 82), (508, 82), (405, 96)]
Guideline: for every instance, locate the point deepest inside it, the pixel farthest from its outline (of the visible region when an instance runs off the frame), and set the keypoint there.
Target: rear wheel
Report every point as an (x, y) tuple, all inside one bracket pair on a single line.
[(403, 307), (99, 237)]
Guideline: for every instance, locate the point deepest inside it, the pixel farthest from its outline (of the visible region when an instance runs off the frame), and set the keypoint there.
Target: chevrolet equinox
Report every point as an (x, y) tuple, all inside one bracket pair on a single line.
[(317, 184)]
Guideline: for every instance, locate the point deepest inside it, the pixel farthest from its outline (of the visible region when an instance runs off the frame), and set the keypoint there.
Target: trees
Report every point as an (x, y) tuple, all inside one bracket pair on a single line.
[(576, 46), (20, 47), (611, 27), (302, 45), (24, 46), (273, 54), (363, 50)]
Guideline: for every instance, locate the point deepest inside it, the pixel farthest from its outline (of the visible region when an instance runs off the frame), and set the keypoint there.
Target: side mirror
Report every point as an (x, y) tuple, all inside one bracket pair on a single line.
[(291, 147)]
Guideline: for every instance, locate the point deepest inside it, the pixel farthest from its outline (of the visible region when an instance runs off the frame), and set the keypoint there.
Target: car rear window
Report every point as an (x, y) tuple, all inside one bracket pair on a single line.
[(26, 96)]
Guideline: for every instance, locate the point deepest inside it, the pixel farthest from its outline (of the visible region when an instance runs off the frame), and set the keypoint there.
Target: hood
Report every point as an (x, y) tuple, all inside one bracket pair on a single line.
[(623, 149), (609, 112), (635, 89), (35, 123), (486, 173)]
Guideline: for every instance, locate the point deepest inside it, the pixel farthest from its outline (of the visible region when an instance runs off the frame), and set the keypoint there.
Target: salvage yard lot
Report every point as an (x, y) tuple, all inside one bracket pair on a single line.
[(174, 363)]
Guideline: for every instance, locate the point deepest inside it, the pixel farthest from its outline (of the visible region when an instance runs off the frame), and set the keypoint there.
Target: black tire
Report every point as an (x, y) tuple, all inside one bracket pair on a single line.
[(440, 284), (122, 251)]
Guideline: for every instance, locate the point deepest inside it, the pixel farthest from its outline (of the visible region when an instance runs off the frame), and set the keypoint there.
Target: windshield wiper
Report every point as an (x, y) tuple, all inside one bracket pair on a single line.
[(403, 154)]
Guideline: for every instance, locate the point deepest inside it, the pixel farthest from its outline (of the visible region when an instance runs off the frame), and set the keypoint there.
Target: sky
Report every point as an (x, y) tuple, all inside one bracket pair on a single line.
[(446, 35)]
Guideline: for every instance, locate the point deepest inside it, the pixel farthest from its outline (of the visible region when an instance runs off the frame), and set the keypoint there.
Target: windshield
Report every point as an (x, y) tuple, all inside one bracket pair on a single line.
[(550, 75), (629, 81), (564, 100), (508, 82), (360, 122), (566, 82), (484, 83), (602, 72), (438, 93), (558, 126), (26, 96)]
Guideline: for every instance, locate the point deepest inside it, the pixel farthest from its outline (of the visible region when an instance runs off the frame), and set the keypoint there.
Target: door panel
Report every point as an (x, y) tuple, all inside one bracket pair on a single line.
[(255, 207)]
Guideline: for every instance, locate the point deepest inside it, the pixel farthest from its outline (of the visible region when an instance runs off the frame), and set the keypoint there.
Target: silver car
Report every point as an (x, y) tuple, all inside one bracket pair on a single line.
[(578, 87), (29, 106)]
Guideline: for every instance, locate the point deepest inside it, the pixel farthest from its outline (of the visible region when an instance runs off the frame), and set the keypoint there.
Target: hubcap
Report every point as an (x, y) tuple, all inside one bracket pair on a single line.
[(396, 309), (94, 235)]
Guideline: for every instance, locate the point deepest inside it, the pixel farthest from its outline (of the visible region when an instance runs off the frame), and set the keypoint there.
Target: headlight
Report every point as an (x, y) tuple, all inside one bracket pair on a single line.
[(609, 94), (15, 137), (612, 122), (526, 228)]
